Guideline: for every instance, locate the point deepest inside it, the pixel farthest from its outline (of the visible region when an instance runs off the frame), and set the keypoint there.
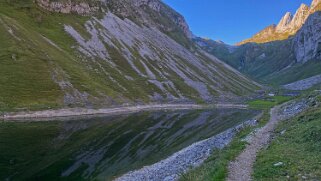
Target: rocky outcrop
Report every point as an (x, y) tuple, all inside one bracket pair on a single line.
[(299, 19), (315, 4), (153, 4), (284, 23), (151, 13), (307, 42), (303, 28), (67, 7), (163, 17), (159, 7)]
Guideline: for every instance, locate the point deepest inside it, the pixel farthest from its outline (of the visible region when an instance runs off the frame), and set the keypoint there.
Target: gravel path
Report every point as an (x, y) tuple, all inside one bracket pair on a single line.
[(242, 168)]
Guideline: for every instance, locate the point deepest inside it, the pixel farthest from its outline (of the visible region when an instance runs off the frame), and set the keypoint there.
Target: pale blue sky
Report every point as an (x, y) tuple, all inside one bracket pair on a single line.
[(232, 20)]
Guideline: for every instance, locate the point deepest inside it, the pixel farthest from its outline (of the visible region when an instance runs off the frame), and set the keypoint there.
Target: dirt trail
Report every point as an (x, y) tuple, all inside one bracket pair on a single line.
[(242, 168)]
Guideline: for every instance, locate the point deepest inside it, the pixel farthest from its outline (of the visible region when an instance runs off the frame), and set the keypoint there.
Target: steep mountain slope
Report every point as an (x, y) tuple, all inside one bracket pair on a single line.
[(150, 13), (307, 42), (92, 53), (283, 61), (258, 61)]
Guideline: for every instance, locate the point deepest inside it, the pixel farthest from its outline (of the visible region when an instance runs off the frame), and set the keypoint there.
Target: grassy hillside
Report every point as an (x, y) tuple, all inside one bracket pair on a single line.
[(268, 34), (297, 72), (269, 63), (29, 60), (42, 66)]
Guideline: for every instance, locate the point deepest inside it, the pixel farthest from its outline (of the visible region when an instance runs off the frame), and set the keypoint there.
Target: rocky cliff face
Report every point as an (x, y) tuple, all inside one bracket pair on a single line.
[(315, 4), (307, 42), (152, 13), (288, 25), (69, 6), (303, 30), (284, 23), (298, 20)]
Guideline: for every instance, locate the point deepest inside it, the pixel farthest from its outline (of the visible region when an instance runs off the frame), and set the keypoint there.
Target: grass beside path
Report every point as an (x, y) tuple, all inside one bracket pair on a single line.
[(216, 166), (296, 148), (269, 102)]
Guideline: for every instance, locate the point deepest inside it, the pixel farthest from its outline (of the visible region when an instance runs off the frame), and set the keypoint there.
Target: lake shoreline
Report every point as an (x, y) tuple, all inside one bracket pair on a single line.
[(76, 112), (184, 160)]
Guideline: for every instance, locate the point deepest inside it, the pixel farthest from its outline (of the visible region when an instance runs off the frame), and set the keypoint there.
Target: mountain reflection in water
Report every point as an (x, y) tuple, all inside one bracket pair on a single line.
[(105, 147)]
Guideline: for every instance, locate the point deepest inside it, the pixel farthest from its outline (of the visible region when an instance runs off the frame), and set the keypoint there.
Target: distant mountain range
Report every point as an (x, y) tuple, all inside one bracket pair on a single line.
[(280, 54), (288, 26)]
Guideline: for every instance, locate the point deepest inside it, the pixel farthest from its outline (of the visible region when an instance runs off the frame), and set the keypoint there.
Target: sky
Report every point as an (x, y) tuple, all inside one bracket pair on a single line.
[(232, 20)]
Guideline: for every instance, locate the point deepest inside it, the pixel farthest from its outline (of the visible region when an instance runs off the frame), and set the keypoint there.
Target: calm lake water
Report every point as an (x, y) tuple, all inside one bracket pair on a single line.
[(103, 148)]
